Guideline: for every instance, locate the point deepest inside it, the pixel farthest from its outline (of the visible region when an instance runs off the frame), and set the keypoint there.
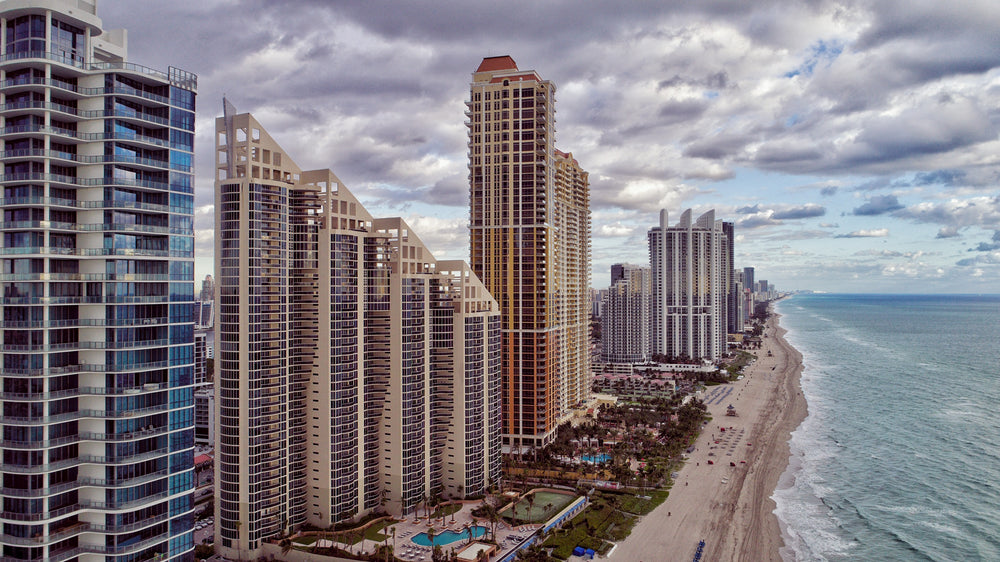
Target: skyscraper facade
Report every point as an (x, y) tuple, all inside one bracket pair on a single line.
[(748, 279), (689, 263), (625, 322), (354, 371), (207, 289), (732, 298), (98, 292), (572, 217), (530, 244)]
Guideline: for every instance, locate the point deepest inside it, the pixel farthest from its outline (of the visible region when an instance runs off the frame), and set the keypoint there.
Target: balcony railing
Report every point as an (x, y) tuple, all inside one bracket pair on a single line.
[(173, 76)]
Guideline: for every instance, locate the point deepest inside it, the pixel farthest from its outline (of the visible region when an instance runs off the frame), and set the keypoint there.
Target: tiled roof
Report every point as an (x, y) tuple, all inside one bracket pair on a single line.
[(491, 64)]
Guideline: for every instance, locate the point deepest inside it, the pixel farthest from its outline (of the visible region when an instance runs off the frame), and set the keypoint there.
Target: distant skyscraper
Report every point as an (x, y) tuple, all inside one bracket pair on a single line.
[(204, 416), (689, 263), (204, 315), (739, 312), (626, 322), (732, 298), (98, 288), (354, 370), (748, 280), (200, 358), (207, 289), (530, 241)]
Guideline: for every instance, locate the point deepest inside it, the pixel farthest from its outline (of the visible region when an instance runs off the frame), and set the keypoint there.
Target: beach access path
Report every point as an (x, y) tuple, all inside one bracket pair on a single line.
[(730, 507)]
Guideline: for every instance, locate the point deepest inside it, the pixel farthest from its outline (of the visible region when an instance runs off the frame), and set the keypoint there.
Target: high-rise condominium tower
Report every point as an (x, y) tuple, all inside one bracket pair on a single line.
[(530, 243), (732, 320), (98, 290), (354, 371), (690, 264), (625, 318)]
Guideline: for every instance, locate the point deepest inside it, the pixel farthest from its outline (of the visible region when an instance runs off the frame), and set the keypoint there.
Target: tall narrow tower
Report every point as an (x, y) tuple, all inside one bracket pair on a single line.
[(98, 293), (530, 244)]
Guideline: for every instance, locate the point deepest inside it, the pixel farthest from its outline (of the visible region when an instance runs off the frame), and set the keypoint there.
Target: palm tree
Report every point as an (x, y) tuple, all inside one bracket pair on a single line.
[(430, 535), (531, 506), (385, 540), (494, 518), (393, 538), (286, 545)]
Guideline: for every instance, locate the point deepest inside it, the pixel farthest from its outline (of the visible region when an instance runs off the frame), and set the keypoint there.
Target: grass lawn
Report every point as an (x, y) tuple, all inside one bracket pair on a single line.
[(446, 510), (545, 505), (640, 506), (306, 540), (374, 533), (565, 540), (599, 523)]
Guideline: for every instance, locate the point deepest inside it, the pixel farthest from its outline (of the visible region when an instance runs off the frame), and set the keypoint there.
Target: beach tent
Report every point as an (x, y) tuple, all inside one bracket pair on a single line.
[(578, 551), (590, 553)]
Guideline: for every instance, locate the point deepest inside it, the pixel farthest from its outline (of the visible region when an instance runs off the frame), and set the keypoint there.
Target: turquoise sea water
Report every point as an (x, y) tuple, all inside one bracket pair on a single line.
[(899, 458)]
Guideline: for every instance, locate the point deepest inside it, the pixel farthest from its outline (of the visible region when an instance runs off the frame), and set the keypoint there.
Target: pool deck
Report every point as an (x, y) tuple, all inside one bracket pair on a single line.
[(405, 549)]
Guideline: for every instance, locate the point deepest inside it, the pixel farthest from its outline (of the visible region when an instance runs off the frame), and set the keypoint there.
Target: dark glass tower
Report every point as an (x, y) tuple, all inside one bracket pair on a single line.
[(98, 293)]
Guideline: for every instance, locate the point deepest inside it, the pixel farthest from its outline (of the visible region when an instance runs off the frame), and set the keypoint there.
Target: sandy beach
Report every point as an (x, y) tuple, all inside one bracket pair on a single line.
[(730, 507)]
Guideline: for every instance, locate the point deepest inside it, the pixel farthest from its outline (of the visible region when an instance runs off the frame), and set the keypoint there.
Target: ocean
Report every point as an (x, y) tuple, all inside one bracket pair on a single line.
[(899, 457)]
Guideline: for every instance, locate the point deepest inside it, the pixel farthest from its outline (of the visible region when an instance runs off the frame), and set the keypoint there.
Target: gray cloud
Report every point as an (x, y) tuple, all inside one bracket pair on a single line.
[(776, 213), (980, 260), (875, 95), (988, 246), (718, 147), (878, 205), (947, 232), (983, 212), (800, 212)]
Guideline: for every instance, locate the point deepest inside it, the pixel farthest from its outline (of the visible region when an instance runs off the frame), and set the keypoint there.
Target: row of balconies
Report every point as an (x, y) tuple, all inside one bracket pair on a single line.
[(73, 204), (52, 250), (78, 65), (81, 437), (23, 130), (27, 83), (86, 345), (26, 107), (28, 153), (81, 322)]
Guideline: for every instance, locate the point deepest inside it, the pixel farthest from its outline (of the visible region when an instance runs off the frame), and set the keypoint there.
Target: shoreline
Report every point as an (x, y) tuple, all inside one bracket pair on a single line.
[(731, 507)]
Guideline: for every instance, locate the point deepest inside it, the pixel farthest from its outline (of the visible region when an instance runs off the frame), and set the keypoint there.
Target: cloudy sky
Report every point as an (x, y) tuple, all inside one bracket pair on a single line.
[(854, 143)]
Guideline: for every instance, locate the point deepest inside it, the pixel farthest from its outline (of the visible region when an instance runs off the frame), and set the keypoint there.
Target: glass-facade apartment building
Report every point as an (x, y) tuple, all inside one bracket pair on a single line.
[(354, 371), (98, 293)]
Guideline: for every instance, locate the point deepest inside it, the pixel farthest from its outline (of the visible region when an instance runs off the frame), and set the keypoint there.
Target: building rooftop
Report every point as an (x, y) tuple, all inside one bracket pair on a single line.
[(491, 64)]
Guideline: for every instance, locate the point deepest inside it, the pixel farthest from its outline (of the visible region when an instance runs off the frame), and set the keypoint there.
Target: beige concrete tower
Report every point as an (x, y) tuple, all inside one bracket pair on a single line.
[(530, 244), (355, 372), (572, 245), (690, 265)]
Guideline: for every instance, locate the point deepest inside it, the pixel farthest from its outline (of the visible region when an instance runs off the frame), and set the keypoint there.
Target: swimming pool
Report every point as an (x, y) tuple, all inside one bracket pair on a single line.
[(448, 537), (596, 459)]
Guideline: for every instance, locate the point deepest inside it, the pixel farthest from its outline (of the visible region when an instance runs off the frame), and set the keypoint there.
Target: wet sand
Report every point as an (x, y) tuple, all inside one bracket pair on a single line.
[(730, 507)]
